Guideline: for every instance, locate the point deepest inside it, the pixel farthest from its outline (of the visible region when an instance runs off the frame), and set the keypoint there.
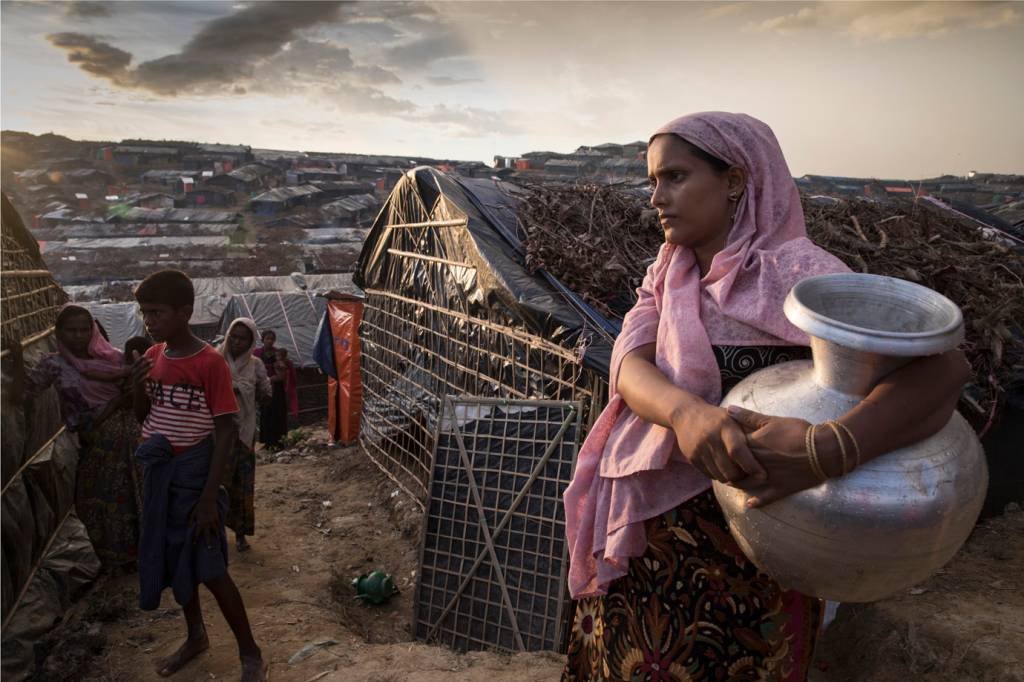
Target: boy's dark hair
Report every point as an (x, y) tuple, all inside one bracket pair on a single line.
[(268, 332), (136, 343), (167, 287)]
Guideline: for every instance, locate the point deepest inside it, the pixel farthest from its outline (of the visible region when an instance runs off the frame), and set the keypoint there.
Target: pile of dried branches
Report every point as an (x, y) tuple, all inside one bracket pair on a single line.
[(599, 240)]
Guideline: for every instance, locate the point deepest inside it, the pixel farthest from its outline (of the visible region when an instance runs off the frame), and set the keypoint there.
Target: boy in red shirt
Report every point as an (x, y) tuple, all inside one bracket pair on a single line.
[(184, 398)]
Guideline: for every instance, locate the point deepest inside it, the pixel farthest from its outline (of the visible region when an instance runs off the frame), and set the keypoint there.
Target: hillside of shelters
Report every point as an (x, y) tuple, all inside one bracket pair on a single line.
[(211, 209)]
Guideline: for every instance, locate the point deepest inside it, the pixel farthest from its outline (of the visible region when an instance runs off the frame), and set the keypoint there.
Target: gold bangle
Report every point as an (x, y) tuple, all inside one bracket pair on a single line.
[(812, 453), (842, 446), (856, 447)]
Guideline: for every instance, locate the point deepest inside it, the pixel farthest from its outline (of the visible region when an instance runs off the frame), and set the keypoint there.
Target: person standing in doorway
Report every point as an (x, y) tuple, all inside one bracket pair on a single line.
[(251, 386), (274, 414)]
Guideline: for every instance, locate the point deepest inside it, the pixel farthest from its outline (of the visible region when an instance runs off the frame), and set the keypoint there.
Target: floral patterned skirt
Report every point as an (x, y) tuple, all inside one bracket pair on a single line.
[(693, 608), (241, 488), (108, 489)]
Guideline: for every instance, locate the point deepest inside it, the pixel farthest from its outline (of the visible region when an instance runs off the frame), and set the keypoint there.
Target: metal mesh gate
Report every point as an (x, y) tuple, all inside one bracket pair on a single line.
[(493, 555)]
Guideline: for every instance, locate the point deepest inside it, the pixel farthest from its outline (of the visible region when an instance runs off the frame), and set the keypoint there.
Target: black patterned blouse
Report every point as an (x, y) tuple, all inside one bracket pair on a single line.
[(738, 362)]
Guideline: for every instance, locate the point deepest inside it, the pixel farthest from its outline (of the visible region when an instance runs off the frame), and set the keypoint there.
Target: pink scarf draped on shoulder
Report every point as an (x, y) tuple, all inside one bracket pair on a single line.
[(629, 470), (104, 358)]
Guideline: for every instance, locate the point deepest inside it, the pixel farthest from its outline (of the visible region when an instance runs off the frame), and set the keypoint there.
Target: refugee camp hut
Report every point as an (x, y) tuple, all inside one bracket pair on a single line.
[(247, 179), (281, 199), (208, 196), (295, 318), (479, 379), (47, 558)]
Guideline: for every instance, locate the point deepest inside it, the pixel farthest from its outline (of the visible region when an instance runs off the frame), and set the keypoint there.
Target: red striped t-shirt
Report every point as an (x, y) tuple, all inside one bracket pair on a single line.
[(185, 394)]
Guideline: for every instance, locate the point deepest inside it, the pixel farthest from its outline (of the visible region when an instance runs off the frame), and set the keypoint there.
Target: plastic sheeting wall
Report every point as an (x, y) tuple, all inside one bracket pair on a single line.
[(46, 556), (294, 317)]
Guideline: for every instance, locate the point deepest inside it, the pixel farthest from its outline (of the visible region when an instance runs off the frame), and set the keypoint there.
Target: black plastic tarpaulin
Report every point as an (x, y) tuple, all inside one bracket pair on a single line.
[(501, 290), (46, 556)]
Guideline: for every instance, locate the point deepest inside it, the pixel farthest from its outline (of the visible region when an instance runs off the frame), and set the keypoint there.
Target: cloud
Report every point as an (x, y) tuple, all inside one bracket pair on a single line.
[(319, 62), (257, 48), (227, 49), (448, 80), (95, 56), (421, 53), (883, 21), (87, 9), (725, 9), (268, 49), (472, 121)]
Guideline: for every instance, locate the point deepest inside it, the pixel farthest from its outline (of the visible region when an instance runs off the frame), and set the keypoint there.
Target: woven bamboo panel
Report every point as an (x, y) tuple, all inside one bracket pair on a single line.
[(30, 297)]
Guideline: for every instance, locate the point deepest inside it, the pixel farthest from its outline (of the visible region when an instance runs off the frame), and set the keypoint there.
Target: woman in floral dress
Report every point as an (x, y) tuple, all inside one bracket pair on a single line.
[(664, 591)]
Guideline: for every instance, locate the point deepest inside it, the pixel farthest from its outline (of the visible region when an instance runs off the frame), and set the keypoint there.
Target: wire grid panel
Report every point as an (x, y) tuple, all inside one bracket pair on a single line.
[(493, 558)]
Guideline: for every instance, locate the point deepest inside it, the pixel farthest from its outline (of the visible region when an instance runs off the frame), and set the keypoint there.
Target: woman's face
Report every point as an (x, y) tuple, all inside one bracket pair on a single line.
[(75, 334), (239, 340), (692, 199)]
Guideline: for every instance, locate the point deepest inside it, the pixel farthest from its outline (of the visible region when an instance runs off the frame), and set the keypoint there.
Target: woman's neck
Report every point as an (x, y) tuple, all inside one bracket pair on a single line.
[(705, 253)]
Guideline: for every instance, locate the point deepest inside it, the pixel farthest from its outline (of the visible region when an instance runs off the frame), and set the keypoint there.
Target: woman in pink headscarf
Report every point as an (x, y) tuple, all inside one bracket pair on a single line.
[(88, 375), (665, 593)]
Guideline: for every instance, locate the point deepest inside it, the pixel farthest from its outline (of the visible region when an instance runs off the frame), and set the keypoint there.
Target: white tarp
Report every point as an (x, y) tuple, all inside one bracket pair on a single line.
[(132, 242), (293, 316), (122, 321), (214, 296)]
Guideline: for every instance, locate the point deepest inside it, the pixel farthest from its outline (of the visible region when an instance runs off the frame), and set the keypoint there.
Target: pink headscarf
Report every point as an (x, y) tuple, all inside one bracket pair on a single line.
[(629, 470), (102, 358)]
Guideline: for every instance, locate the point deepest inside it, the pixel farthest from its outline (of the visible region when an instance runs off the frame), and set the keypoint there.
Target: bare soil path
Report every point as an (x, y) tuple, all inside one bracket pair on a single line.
[(323, 516)]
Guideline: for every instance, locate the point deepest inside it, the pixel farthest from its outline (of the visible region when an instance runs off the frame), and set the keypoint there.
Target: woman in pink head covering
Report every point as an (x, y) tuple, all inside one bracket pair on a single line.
[(88, 375), (665, 593)]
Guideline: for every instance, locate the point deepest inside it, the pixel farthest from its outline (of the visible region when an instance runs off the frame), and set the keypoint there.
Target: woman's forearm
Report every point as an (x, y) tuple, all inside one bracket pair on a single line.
[(909, 405), (648, 392)]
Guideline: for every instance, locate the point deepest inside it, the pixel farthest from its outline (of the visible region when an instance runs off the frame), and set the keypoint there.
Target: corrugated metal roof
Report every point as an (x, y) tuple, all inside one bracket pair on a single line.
[(284, 193), (131, 149), (251, 172), (353, 204)]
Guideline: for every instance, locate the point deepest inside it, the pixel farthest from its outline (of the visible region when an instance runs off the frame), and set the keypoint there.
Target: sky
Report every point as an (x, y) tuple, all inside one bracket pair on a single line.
[(876, 89)]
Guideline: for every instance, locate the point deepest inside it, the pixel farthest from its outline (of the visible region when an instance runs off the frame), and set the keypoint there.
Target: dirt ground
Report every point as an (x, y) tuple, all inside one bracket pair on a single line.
[(965, 623), (325, 515)]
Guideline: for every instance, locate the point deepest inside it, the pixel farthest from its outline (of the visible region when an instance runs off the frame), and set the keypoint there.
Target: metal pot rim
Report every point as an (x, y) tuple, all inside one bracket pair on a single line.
[(869, 339)]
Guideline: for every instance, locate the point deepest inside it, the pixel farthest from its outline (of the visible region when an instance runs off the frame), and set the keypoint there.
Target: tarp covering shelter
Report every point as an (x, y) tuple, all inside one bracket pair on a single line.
[(451, 308), (293, 316), (116, 310), (121, 321), (46, 557)]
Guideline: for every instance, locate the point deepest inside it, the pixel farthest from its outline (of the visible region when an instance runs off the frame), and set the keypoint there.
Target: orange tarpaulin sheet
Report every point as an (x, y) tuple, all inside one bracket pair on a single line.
[(345, 395)]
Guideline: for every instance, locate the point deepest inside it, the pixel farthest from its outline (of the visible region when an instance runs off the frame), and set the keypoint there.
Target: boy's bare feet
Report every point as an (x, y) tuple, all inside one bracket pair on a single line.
[(185, 653), (255, 669)]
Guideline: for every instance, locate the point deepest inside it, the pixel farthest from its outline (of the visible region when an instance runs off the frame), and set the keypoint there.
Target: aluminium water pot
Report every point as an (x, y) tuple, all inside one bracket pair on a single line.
[(897, 519)]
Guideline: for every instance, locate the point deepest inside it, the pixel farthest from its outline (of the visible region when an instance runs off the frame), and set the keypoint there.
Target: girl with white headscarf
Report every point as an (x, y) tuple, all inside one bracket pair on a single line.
[(251, 386)]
